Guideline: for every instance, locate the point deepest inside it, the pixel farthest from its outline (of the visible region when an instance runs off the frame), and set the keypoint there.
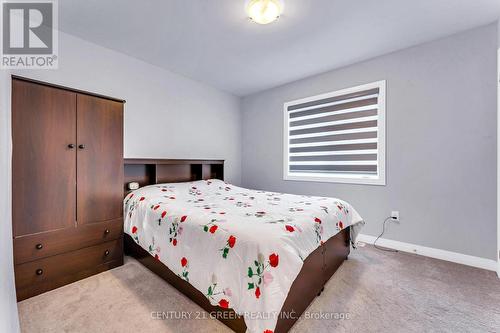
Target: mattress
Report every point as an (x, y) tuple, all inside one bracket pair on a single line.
[(241, 248)]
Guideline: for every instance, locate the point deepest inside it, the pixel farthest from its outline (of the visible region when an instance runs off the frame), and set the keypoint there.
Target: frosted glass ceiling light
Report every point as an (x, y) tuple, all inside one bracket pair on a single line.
[(264, 11)]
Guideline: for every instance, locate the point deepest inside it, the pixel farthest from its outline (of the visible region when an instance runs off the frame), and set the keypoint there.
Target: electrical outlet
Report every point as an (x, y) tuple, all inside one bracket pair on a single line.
[(395, 215)]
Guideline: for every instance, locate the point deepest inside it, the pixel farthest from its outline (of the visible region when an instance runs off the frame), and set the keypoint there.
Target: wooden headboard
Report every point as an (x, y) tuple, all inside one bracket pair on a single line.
[(157, 171)]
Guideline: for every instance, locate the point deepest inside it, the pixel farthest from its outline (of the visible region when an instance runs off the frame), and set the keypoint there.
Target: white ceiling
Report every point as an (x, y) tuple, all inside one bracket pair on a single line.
[(212, 40)]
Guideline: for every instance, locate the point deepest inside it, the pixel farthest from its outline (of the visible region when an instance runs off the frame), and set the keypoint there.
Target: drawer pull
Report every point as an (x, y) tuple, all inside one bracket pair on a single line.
[(39, 246), (106, 232), (39, 271), (106, 253)]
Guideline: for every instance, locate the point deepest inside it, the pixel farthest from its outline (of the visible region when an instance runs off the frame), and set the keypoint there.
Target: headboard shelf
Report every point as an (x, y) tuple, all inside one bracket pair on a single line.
[(157, 171), (169, 161)]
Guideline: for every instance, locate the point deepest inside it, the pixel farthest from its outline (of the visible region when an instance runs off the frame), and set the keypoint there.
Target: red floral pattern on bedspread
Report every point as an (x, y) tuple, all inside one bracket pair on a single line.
[(213, 234)]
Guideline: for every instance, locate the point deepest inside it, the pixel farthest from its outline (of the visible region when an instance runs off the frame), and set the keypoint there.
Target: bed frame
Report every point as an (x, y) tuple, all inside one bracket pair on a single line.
[(318, 267)]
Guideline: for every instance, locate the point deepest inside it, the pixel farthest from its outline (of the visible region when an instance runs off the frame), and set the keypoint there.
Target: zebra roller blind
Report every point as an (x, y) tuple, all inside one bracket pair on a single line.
[(337, 137)]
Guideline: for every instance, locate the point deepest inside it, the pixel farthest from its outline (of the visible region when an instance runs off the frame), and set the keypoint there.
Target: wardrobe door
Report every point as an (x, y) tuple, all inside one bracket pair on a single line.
[(99, 159), (43, 158)]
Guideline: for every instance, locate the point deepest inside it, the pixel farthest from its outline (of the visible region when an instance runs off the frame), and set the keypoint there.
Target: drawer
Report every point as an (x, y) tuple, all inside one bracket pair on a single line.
[(38, 276), (37, 246)]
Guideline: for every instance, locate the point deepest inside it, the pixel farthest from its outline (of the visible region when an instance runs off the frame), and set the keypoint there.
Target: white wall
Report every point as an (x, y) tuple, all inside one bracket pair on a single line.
[(441, 142), (166, 116)]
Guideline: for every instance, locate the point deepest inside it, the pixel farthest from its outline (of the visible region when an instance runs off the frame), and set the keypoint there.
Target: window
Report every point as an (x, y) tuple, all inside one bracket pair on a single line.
[(337, 137)]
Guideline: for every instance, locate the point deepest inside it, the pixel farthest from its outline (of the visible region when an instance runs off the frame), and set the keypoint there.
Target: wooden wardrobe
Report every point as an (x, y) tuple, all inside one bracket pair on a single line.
[(67, 185)]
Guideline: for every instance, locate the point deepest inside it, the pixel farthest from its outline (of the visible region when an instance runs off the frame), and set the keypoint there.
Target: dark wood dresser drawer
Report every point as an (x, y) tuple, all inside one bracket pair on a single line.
[(38, 276), (37, 246)]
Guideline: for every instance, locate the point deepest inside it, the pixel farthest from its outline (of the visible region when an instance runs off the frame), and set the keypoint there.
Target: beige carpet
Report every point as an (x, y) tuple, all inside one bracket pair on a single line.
[(381, 292)]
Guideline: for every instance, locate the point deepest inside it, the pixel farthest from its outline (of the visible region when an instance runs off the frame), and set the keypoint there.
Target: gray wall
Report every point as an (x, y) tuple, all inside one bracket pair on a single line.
[(441, 134), (441, 142)]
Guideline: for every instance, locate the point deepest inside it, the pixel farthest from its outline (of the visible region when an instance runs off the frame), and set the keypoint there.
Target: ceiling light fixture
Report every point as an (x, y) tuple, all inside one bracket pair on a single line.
[(264, 11)]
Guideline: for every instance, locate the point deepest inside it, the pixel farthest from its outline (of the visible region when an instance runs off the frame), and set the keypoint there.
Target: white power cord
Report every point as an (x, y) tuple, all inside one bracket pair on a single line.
[(383, 231)]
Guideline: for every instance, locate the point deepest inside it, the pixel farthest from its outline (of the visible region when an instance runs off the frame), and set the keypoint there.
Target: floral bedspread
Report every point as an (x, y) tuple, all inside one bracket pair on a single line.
[(242, 248)]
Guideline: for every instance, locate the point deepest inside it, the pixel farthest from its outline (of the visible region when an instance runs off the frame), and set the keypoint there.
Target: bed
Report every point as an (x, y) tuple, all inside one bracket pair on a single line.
[(253, 259)]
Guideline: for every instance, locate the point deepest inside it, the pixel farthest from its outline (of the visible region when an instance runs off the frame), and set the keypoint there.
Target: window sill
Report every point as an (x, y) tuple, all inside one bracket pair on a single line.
[(340, 180)]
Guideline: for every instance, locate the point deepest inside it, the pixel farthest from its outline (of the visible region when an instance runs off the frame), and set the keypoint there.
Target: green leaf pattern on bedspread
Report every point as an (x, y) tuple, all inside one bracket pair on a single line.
[(242, 248)]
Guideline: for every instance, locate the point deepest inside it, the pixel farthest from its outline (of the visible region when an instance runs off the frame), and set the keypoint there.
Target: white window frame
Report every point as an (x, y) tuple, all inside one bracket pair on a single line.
[(380, 178)]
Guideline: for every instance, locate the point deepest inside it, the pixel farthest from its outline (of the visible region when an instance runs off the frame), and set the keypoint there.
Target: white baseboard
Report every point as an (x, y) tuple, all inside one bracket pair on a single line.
[(455, 257)]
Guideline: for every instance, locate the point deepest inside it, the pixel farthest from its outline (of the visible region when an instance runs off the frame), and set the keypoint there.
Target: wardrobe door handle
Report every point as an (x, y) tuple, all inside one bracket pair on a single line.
[(82, 146), (71, 146), (39, 271), (106, 232), (106, 253), (39, 246)]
